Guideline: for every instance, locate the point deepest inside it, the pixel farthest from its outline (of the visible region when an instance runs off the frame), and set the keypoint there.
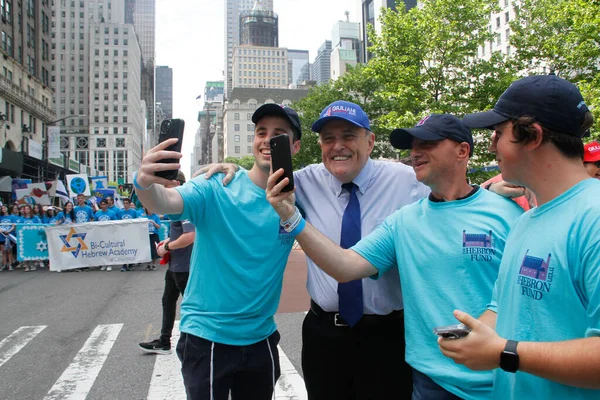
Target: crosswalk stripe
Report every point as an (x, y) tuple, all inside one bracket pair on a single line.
[(167, 382), (14, 342), (77, 380), (290, 385)]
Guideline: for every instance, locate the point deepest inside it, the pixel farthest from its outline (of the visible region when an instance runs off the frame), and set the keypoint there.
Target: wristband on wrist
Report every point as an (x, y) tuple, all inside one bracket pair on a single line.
[(298, 228), (137, 185), (291, 223)]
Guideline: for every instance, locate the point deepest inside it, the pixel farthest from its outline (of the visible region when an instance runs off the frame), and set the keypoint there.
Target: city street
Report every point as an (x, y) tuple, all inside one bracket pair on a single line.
[(74, 335)]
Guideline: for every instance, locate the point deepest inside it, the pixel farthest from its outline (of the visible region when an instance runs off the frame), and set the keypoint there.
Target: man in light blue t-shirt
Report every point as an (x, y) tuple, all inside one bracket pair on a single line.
[(447, 249), (83, 212), (546, 302), (229, 338)]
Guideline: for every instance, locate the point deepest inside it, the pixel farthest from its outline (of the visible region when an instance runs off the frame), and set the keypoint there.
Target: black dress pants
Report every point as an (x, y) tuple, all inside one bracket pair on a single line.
[(175, 283), (365, 362)]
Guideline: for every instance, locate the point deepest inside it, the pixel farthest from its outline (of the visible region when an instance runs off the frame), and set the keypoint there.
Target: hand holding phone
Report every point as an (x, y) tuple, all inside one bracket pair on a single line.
[(281, 157), (171, 128), (452, 331)]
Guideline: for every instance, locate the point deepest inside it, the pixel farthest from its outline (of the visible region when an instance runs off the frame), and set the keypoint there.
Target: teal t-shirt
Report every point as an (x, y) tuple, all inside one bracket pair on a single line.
[(128, 214), (83, 213), (548, 287), (237, 263), (448, 255)]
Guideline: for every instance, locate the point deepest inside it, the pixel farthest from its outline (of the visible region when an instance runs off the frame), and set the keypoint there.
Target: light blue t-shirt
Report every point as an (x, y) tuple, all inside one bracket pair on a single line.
[(152, 217), (105, 215), (128, 214), (52, 220), (548, 287), (31, 220), (448, 255), (83, 214), (6, 224), (65, 217), (238, 260)]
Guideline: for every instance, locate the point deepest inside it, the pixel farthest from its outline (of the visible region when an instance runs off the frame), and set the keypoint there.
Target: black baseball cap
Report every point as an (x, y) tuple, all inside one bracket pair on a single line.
[(433, 127), (281, 111), (554, 102)]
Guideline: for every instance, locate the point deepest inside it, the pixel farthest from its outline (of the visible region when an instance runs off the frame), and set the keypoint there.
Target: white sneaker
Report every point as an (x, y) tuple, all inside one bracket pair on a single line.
[(109, 268), (103, 268)]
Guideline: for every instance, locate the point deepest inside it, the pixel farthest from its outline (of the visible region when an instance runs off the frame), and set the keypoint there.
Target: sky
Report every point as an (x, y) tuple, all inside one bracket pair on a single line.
[(190, 40)]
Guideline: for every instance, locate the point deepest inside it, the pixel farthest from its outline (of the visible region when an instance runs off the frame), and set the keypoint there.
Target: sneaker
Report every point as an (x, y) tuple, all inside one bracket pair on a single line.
[(26, 269), (123, 269), (32, 268), (103, 268), (152, 267), (155, 347), (41, 264), (109, 268), (148, 267)]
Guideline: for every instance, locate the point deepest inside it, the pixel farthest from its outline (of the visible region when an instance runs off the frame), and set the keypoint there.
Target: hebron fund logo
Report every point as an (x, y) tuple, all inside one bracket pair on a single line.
[(78, 239)]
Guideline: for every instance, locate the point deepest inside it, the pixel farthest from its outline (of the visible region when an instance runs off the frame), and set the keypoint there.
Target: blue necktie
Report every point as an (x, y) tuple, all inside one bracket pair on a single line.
[(350, 293)]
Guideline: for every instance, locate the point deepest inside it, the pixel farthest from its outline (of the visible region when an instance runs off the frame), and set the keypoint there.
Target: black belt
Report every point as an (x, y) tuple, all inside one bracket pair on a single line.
[(368, 319)]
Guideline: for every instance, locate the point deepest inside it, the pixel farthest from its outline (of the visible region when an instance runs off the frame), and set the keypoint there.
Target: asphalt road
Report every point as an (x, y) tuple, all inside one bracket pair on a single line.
[(74, 335)]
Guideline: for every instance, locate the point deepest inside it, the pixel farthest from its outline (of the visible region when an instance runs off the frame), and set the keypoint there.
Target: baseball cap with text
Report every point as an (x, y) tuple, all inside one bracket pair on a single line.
[(342, 110), (433, 127), (554, 102), (591, 152)]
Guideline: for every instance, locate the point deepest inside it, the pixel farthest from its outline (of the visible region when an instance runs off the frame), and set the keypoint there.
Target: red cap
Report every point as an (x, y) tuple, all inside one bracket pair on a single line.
[(591, 152)]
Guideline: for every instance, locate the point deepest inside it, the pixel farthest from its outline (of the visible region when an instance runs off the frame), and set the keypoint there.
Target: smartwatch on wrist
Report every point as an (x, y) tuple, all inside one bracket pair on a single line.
[(166, 246), (509, 359)]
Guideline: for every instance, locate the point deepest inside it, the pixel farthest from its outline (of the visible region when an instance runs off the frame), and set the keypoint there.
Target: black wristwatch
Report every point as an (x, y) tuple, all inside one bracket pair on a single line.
[(166, 246), (509, 359)]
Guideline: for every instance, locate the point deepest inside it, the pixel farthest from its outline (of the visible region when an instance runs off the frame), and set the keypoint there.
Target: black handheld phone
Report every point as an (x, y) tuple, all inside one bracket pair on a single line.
[(281, 157), (452, 331), (171, 128)]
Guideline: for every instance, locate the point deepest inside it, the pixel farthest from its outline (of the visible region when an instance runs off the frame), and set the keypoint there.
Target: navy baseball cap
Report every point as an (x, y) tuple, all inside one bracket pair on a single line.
[(343, 110), (281, 111), (554, 102), (433, 127)]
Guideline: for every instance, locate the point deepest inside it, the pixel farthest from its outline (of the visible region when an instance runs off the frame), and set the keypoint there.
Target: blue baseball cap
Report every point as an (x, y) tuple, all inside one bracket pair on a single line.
[(343, 110), (554, 102), (433, 127)]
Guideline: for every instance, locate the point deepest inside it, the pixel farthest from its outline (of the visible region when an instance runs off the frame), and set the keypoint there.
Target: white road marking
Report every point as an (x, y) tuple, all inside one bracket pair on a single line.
[(14, 342), (77, 380), (167, 382), (290, 385)]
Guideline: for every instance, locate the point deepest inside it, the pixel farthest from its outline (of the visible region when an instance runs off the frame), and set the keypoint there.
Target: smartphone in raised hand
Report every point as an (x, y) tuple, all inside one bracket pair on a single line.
[(171, 128), (281, 157), (452, 331)]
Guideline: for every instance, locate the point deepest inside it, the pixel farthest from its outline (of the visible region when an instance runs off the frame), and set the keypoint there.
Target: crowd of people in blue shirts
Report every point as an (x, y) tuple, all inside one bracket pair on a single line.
[(84, 211)]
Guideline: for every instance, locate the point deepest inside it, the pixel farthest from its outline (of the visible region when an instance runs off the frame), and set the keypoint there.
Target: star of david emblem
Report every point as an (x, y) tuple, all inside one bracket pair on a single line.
[(67, 242), (41, 246)]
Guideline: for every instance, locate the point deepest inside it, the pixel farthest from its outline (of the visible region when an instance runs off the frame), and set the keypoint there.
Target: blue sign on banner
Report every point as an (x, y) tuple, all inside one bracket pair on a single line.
[(31, 242)]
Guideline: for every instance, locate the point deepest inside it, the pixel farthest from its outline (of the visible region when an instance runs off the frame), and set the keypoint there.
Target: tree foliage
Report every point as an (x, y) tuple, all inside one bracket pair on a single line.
[(245, 162)]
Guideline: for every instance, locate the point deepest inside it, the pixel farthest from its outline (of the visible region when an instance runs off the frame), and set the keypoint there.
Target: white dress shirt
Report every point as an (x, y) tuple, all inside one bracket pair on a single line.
[(383, 187)]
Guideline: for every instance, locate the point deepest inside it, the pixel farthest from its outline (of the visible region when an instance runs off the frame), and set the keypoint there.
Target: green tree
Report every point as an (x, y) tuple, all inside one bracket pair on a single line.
[(245, 162), (564, 37)]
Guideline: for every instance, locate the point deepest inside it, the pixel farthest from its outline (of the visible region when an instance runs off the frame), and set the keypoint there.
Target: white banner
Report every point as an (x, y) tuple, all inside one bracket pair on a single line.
[(36, 149), (54, 142), (95, 244)]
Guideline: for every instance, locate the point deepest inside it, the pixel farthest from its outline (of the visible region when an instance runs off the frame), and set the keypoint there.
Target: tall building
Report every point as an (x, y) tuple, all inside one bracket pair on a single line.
[(320, 70), (259, 27), (164, 90), (347, 48), (96, 74), (233, 9), (260, 67), (299, 66), (25, 92), (371, 11), (209, 137), (142, 14)]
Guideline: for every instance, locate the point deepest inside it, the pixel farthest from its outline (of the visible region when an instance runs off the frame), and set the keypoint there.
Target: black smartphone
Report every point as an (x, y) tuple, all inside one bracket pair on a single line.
[(281, 157), (452, 331), (171, 128)]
